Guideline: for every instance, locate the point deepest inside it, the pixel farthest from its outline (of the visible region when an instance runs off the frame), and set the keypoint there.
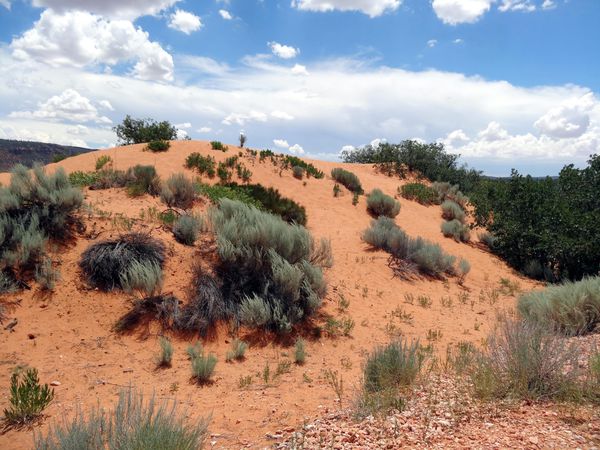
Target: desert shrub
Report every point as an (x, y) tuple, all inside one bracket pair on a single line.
[(452, 211), (103, 161), (58, 157), (336, 190), (268, 269), (380, 204), (224, 173), (243, 173), (487, 238), (419, 192), (272, 201), (456, 230), (408, 253), (35, 207), (294, 161), (396, 364), (142, 180), (162, 308), (464, 267), (132, 424), (79, 178), (8, 284), (300, 351), (217, 145), (447, 191), (158, 146), (203, 164), (139, 131), (522, 360), (347, 179), (242, 139), (205, 307), (298, 172), (232, 192), (231, 161), (28, 398), (46, 275), (108, 178), (203, 367), (238, 351), (264, 154), (133, 261), (572, 308), (178, 192), (186, 229), (165, 356)]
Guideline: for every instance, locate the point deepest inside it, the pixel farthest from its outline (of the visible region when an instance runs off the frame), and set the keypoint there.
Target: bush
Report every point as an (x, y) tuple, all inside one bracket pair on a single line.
[(298, 172), (243, 173), (132, 424), (464, 267), (224, 173), (186, 229), (487, 238), (456, 230), (522, 360), (28, 398), (420, 193), (46, 275), (158, 146), (139, 131), (216, 145), (269, 271), (166, 352), (178, 192), (242, 139), (162, 308), (232, 192), (238, 350), (103, 161), (34, 207), (133, 261), (142, 180), (293, 161), (79, 178), (203, 367), (408, 253), (8, 285), (203, 164), (58, 157), (380, 204), (452, 211), (348, 179), (447, 191), (571, 308), (396, 364), (300, 352)]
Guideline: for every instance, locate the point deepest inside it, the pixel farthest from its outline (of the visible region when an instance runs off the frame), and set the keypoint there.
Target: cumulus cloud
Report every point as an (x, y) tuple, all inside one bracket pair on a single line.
[(69, 105), (185, 21), (82, 39), (299, 69), (5, 3), (432, 43), (372, 8), (282, 115), (184, 125), (281, 143), (226, 15), (121, 9), (454, 12), (296, 149), (571, 119), (204, 130), (242, 119), (549, 4), (516, 5), (283, 51)]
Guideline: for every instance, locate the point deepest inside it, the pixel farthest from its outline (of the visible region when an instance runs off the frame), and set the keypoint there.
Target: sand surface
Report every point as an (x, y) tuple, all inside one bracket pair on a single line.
[(68, 335)]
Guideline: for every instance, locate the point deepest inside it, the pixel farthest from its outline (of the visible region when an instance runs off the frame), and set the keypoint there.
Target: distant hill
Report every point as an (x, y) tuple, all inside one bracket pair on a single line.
[(26, 152)]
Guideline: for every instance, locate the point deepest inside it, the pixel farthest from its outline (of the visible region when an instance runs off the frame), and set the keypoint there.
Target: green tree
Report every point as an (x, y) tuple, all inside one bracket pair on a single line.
[(138, 131)]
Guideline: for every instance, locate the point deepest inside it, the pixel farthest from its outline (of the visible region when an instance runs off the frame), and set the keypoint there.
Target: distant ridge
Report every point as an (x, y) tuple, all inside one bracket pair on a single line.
[(26, 152)]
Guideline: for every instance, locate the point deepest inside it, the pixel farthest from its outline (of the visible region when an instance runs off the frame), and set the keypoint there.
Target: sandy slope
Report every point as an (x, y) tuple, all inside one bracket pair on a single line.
[(68, 336)]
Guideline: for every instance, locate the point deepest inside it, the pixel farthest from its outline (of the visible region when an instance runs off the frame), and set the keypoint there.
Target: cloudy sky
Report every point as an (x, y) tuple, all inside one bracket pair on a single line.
[(505, 83)]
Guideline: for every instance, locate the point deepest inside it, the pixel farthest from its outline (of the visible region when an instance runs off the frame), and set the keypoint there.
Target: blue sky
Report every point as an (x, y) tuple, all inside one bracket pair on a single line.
[(505, 83)]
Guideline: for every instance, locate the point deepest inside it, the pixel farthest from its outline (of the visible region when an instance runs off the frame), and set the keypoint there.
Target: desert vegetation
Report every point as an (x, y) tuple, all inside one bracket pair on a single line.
[(347, 179), (380, 204), (419, 192), (141, 131)]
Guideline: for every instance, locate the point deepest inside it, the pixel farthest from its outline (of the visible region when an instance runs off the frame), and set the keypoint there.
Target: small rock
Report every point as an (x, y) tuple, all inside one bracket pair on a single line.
[(55, 383)]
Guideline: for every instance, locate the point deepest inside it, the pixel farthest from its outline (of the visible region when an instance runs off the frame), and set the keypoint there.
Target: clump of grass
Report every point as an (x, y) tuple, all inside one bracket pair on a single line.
[(217, 145), (336, 190), (178, 192), (298, 172), (102, 161), (204, 165), (158, 146), (453, 211), (456, 230), (464, 267), (203, 367), (141, 180), (300, 352), (165, 356), (46, 275), (347, 179), (237, 352), (419, 192), (132, 424), (133, 261), (293, 161), (380, 204), (187, 228), (28, 398), (571, 308), (163, 308)]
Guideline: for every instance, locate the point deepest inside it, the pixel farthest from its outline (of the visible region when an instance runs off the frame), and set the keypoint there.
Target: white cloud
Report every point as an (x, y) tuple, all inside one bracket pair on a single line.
[(372, 8), (281, 143), (78, 130), (193, 65), (432, 43), (105, 104), (184, 125), (494, 132), (296, 149), (517, 5), (283, 51), (549, 4), (5, 3), (205, 130), (454, 12), (242, 119), (182, 134), (185, 21), (299, 69), (226, 15), (69, 105), (571, 119), (457, 137), (282, 115), (458, 41), (82, 39), (121, 9), (377, 141)]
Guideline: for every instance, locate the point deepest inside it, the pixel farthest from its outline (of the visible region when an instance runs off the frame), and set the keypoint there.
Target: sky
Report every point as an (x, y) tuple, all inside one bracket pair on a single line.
[(505, 83)]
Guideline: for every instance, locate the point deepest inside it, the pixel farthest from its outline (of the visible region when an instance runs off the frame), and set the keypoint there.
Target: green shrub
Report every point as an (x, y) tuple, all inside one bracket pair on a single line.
[(447, 191), (224, 173), (133, 261), (216, 145), (203, 164), (336, 190), (165, 356), (28, 398), (380, 204), (109, 178), (420, 193), (452, 211), (158, 146), (293, 161), (178, 192), (488, 239), (34, 207), (132, 424), (8, 284), (264, 154), (300, 351), (464, 267), (298, 172), (232, 192), (139, 131), (203, 367), (272, 201), (142, 180), (79, 178), (347, 179), (103, 161), (572, 308), (186, 229), (58, 157), (396, 364), (238, 351), (243, 173), (456, 230)]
